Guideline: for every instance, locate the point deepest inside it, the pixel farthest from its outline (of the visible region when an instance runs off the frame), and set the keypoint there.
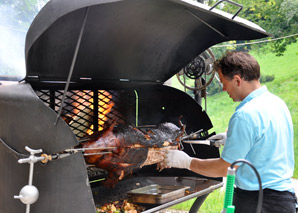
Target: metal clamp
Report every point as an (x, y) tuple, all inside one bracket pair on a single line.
[(231, 2), (29, 194)]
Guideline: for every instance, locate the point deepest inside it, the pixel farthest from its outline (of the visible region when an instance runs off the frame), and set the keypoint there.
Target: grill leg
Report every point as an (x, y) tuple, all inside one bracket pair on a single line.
[(197, 204)]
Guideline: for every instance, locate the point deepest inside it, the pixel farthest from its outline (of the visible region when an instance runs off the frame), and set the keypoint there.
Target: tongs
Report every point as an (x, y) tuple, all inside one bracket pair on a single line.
[(192, 135)]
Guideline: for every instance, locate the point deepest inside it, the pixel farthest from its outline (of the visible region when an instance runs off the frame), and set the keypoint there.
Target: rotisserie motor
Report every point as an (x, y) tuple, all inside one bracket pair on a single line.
[(135, 147)]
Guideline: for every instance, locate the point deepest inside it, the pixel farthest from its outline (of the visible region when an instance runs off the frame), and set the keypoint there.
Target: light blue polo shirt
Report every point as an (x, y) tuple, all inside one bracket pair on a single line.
[(261, 131)]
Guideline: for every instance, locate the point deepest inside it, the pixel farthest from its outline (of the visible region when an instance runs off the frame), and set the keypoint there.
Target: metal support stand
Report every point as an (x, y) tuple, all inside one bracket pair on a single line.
[(197, 204), (29, 193)]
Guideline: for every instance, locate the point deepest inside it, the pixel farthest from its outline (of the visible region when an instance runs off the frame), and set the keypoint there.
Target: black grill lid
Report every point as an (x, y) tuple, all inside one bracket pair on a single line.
[(125, 42)]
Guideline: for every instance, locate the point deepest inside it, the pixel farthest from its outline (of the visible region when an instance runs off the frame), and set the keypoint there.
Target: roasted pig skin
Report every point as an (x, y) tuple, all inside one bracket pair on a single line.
[(131, 150)]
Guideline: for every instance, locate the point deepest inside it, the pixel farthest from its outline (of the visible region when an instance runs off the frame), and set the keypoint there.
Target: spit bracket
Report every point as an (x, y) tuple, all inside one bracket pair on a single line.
[(29, 194)]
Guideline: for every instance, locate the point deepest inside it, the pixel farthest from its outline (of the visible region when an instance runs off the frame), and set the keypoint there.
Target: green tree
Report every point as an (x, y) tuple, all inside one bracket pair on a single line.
[(15, 19), (278, 17), (24, 10)]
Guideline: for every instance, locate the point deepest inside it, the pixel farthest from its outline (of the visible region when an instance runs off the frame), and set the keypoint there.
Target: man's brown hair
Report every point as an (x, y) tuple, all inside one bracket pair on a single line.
[(239, 63)]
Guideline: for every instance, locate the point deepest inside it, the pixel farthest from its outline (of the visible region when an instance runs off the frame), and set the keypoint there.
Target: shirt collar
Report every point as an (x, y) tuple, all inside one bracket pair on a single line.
[(251, 96)]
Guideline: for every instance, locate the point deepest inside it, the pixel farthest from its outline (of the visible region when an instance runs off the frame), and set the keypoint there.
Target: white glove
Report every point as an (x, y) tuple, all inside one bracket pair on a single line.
[(220, 139), (177, 159)]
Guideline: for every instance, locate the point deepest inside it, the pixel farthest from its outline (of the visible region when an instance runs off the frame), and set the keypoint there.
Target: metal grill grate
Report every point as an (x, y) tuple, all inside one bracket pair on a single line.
[(80, 112)]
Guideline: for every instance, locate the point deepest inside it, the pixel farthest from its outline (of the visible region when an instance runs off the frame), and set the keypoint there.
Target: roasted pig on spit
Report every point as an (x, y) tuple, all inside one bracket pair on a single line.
[(135, 148)]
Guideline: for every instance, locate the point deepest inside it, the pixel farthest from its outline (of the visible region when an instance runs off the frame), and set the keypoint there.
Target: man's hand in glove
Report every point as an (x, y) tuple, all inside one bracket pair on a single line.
[(220, 139), (177, 159)]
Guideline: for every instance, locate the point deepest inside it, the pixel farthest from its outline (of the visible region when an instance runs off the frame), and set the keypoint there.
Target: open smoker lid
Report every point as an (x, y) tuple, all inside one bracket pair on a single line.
[(128, 42)]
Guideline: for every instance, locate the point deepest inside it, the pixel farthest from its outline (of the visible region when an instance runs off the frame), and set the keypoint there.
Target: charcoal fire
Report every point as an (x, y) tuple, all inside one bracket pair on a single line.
[(135, 147)]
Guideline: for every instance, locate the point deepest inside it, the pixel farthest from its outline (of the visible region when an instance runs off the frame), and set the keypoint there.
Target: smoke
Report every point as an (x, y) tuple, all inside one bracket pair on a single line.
[(12, 43)]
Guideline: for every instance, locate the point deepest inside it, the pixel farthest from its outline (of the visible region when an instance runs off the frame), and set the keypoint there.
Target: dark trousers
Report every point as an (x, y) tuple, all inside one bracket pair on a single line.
[(273, 201)]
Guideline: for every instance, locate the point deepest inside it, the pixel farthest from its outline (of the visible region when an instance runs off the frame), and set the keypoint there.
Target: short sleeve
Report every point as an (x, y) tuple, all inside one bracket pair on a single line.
[(239, 139)]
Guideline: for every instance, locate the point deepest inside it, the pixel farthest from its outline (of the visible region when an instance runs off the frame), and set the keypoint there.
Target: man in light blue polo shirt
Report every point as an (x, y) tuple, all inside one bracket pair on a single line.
[(253, 136), (260, 131)]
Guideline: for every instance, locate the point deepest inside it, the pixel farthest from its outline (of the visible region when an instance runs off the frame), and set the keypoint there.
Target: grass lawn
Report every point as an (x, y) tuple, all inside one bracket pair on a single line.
[(213, 203), (220, 108)]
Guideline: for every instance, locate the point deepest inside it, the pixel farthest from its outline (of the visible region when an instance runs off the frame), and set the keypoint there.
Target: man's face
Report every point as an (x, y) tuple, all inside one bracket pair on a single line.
[(231, 86)]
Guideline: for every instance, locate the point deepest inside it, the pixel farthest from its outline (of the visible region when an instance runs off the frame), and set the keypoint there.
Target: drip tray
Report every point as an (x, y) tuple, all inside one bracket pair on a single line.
[(156, 194)]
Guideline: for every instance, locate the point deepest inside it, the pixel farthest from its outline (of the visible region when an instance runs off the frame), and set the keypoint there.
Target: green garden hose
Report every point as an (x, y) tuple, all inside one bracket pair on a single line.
[(228, 207)]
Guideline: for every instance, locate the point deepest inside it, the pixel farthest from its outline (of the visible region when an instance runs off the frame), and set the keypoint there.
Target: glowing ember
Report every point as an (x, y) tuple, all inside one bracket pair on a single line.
[(120, 206)]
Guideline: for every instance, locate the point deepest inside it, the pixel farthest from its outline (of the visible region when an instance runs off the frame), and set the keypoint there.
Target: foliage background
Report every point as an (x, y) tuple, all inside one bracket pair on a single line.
[(278, 17)]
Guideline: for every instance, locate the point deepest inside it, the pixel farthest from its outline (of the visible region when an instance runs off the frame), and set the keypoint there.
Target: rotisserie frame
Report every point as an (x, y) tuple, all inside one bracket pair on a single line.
[(92, 63)]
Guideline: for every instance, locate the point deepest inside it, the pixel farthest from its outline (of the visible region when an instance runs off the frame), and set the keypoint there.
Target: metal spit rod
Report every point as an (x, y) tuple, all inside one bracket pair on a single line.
[(75, 150), (83, 149), (69, 152), (99, 153)]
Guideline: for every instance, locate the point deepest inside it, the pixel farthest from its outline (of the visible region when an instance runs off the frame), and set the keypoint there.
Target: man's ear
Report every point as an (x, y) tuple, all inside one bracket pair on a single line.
[(238, 80)]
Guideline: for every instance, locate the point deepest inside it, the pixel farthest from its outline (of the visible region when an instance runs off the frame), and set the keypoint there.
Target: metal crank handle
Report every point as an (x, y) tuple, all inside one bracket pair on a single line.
[(29, 194), (33, 151), (31, 159)]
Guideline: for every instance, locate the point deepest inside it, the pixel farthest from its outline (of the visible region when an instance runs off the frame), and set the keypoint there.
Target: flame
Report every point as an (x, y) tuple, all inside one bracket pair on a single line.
[(80, 102), (105, 105)]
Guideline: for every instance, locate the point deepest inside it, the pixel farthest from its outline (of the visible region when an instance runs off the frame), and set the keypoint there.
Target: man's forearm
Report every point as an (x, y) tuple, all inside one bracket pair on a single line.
[(215, 167)]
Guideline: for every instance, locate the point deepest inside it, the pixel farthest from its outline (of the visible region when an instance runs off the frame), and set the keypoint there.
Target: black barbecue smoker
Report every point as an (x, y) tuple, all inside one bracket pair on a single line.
[(94, 63)]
